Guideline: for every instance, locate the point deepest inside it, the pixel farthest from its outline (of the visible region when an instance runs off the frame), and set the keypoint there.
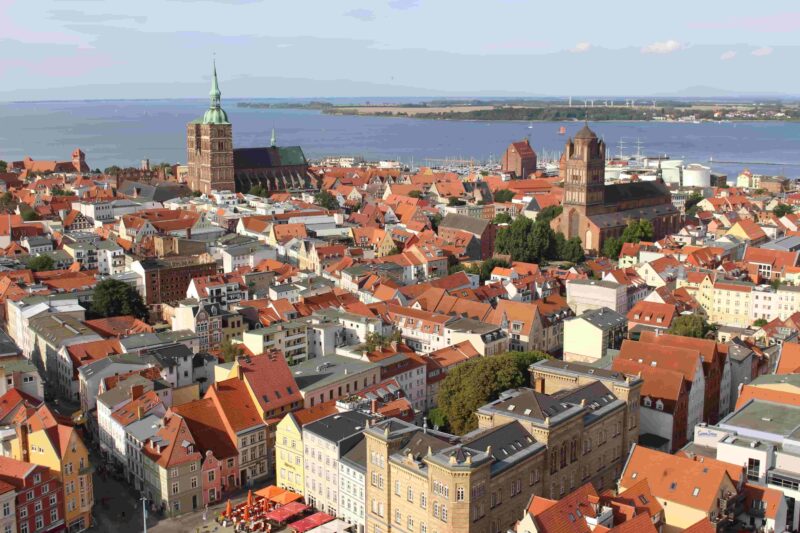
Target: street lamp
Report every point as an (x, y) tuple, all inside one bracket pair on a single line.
[(144, 513)]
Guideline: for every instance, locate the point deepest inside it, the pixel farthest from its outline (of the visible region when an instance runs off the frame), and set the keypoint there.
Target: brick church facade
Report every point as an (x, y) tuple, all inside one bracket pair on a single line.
[(595, 211), (519, 159), (215, 165)]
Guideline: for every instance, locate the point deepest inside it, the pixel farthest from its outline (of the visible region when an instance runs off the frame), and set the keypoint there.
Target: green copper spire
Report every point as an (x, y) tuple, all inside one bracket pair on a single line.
[(215, 113), (273, 142), (215, 94)]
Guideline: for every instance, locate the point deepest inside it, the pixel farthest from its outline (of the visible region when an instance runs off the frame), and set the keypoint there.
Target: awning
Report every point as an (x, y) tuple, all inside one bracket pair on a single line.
[(334, 526), (281, 515), (310, 522)]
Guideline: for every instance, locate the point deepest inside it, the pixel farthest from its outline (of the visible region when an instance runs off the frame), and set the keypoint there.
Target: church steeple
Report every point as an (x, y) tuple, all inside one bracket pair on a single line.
[(273, 141), (215, 113), (215, 92)]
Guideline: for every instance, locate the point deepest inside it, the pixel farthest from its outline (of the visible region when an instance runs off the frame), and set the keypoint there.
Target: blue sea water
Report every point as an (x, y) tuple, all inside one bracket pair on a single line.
[(125, 132)]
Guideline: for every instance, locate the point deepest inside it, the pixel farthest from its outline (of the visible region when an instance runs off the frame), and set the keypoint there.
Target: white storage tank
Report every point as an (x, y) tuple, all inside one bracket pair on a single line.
[(696, 175)]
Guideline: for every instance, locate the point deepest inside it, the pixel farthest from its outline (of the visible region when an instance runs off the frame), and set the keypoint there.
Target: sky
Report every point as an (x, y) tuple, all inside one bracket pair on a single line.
[(87, 49)]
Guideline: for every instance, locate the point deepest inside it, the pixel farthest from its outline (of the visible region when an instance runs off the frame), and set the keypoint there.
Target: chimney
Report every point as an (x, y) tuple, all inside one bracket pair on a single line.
[(136, 392), (239, 372), (538, 385), (424, 424), (139, 412), (373, 406)]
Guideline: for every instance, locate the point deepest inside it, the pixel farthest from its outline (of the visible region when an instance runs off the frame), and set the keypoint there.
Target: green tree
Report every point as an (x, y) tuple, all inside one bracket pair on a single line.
[(549, 213), (503, 218), (479, 381), (612, 246), (782, 210), (761, 322), (503, 195), (458, 267), (415, 194), (41, 262), (515, 240), (435, 221), (486, 267), (6, 199), (326, 200), (570, 250), (436, 418), (229, 350), (690, 326), (113, 169), (197, 194), (29, 214), (691, 203), (3, 166), (116, 298), (453, 201), (638, 230), (542, 242), (258, 190), (375, 340)]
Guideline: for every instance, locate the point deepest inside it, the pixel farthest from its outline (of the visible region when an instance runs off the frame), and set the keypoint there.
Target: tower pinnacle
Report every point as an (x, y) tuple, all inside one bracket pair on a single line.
[(273, 140), (215, 113)]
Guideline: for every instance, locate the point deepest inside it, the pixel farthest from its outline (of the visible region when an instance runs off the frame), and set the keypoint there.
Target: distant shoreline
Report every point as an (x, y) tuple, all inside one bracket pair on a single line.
[(520, 112)]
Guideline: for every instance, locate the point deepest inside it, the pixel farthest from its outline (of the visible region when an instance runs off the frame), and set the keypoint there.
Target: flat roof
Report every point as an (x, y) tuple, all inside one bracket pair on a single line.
[(319, 372), (767, 417)]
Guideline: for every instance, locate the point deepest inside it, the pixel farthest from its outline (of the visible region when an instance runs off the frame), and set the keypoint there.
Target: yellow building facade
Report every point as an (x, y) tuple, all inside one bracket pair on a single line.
[(289, 472), (43, 441)]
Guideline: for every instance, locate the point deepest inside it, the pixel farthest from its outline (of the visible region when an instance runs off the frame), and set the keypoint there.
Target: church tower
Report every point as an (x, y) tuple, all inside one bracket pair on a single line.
[(583, 171), (209, 147)]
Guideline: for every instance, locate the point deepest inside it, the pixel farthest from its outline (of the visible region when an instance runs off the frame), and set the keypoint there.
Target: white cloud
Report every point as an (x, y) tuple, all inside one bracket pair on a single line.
[(582, 47), (361, 14), (662, 47), (730, 54), (763, 51), (403, 4)]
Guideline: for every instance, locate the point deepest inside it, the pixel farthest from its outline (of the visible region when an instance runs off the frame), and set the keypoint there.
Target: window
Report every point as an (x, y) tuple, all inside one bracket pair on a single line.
[(423, 500), (39, 522), (444, 513), (435, 510), (54, 515), (410, 494), (460, 493), (410, 524), (753, 469), (398, 518), (397, 488), (175, 488)]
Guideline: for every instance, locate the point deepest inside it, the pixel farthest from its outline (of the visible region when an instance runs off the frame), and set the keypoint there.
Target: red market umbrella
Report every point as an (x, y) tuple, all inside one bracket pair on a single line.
[(247, 514), (228, 510), (249, 498)]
